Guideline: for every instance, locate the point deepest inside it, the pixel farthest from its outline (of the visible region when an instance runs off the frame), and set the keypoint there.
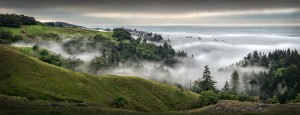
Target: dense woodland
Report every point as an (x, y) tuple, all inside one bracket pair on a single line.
[(13, 20), (280, 84), (62, 24)]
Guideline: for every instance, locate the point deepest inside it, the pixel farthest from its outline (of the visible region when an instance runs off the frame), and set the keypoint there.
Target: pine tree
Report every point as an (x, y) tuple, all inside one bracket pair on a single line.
[(226, 87), (207, 82), (235, 81)]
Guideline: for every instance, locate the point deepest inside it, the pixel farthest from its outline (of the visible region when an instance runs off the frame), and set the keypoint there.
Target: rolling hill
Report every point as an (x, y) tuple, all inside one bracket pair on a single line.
[(32, 79)]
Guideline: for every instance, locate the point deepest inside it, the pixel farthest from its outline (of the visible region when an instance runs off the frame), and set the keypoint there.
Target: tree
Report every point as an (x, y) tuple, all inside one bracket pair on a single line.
[(235, 81), (121, 34), (226, 87), (207, 82), (264, 61)]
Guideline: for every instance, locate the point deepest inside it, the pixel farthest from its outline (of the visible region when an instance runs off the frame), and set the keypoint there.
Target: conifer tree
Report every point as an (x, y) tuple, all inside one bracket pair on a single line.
[(235, 81)]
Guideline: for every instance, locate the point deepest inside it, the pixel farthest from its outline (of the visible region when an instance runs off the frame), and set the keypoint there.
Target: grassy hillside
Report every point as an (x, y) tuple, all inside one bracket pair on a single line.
[(45, 31), (25, 76)]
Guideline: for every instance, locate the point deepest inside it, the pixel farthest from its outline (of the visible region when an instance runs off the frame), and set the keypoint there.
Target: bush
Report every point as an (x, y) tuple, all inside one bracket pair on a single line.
[(44, 53), (119, 102), (100, 38), (288, 95), (179, 86), (297, 98), (244, 97), (227, 96), (207, 98), (272, 100), (72, 63), (7, 37), (50, 58), (35, 47)]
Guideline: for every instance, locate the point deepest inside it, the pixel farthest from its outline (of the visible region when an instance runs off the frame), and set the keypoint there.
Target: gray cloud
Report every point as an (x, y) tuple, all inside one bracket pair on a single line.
[(128, 12), (153, 5)]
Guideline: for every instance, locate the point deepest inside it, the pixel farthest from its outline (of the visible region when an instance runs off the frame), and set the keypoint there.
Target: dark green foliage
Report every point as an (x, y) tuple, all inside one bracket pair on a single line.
[(50, 58), (121, 34), (155, 38), (100, 38), (181, 54), (272, 100), (281, 80), (226, 87), (74, 46), (297, 98), (146, 51), (6, 37), (235, 82), (44, 53), (287, 95), (207, 98), (71, 63), (206, 83), (61, 24), (226, 95), (13, 20), (35, 47), (119, 102), (179, 86), (99, 63), (244, 97)]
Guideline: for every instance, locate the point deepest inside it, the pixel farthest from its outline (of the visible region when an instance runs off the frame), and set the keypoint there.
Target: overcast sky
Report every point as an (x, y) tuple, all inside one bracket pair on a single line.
[(157, 12)]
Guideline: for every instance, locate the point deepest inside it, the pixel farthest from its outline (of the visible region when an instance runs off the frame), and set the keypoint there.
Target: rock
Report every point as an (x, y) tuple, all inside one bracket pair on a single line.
[(82, 104)]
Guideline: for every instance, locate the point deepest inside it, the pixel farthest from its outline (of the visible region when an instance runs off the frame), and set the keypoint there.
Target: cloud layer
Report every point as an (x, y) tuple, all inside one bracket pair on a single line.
[(145, 12)]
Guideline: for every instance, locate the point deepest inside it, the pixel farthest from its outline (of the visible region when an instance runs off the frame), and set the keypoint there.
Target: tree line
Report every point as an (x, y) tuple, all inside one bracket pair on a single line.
[(14, 20), (280, 84)]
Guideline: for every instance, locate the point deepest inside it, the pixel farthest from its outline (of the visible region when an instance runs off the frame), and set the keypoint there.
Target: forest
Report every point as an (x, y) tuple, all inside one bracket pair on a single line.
[(14, 20)]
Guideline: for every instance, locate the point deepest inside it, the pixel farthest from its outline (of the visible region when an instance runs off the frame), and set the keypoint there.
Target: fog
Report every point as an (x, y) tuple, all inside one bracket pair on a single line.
[(214, 48)]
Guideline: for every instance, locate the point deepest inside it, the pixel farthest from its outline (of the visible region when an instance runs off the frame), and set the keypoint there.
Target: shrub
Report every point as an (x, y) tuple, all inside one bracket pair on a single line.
[(207, 98), (272, 100), (179, 86), (100, 38), (119, 102), (244, 97), (297, 98), (44, 53), (35, 47), (227, 96), (7, 37)]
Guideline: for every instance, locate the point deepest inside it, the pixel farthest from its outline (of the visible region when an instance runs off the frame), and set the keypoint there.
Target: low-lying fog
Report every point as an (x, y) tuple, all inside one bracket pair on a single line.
[(217, 47), (214, 46)]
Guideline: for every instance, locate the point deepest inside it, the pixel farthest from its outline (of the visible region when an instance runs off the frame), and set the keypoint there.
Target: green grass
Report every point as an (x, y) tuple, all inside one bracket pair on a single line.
[(47, 32), (25, 76)]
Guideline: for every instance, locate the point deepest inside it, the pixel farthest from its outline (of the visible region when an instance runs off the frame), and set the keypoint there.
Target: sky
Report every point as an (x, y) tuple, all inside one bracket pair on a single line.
[(159, 12)]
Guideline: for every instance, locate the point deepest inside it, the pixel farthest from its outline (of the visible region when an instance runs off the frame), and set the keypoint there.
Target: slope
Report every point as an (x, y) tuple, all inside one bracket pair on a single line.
[(27, 77)]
